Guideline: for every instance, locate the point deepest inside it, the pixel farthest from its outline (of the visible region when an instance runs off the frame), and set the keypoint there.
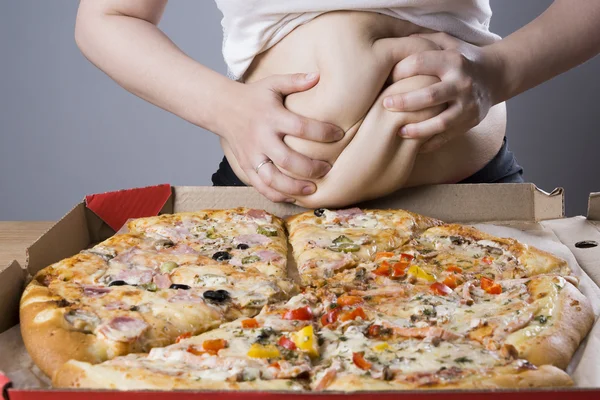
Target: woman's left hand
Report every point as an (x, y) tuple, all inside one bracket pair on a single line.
[(468, 77)]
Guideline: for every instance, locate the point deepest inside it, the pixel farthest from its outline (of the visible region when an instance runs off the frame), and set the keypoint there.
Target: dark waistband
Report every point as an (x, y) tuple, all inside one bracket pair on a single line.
[(503, 168)]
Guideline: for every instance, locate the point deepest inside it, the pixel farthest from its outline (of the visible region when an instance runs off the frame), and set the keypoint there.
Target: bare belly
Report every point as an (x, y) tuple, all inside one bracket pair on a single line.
[(355, 53)]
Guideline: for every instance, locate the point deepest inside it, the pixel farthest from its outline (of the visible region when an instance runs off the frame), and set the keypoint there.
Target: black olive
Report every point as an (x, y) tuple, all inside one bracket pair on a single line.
[(133, 308), (457, 240), (242, 246), (319, 212), (179, 286), (388, 374), (221, 256), (62, 303), (217, 296), (118, 283), (264, 335)]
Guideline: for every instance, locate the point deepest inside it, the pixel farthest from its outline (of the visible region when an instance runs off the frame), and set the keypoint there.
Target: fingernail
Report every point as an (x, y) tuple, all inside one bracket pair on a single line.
[(404, 133), (290, 201), (388, 102), (339, 135), (308, 190), (312, 76), (326, 169)]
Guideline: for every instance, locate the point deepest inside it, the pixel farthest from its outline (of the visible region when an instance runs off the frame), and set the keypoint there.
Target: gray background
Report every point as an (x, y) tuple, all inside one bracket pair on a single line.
[(67, 130)]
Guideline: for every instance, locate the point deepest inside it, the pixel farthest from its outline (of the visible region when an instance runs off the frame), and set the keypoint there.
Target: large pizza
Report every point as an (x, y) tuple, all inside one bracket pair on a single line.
[(386, 300)]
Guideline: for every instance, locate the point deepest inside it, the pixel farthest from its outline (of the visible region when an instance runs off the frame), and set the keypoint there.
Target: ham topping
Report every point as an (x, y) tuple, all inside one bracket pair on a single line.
[(134, 276), (252, 239), (258, 214), (268, 255), (95, 291), (162, 281), (124, 329)]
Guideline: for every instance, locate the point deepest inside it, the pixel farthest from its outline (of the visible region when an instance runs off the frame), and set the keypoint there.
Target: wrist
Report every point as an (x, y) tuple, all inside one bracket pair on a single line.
[(215, 106), (498, 74)]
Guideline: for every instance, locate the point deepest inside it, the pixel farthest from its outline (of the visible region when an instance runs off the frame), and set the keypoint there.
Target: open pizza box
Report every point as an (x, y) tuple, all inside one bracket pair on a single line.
[(521, 211)]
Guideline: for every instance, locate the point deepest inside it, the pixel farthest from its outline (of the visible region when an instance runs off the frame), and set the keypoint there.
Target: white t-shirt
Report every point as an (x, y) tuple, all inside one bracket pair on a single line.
[(253, 26)]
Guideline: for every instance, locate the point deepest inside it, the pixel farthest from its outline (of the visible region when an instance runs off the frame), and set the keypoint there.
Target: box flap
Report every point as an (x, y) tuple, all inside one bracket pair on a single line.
[(594, 207), (67, 237), (456, 203), (12, 281), (115, 208)]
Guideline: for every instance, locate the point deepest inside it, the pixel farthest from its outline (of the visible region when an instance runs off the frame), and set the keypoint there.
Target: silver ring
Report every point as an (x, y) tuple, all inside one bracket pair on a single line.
[(267, 161)]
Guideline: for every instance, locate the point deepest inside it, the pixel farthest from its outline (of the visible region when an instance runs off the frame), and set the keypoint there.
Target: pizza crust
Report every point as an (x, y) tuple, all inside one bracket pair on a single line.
[(75, 374), (502, 378), (48, 343), (573, 317)]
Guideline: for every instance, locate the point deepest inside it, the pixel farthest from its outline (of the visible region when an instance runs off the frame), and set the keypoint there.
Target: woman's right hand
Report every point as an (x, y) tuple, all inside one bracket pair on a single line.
[(255, 124)]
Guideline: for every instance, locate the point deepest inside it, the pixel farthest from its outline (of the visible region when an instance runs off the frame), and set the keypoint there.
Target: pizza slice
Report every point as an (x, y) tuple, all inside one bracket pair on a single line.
[(447, 249), (326, 242), (272, 351), (239, 237), (134, 292), (354, 360), (541, 319)]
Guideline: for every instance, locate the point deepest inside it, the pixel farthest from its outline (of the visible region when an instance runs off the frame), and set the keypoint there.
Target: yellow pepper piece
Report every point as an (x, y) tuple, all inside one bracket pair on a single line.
[(381, 346), (260, 351), (305, 341), (419, 273)]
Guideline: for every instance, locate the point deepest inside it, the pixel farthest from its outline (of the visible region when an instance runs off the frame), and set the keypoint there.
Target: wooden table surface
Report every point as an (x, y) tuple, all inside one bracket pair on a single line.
[(16, 236)]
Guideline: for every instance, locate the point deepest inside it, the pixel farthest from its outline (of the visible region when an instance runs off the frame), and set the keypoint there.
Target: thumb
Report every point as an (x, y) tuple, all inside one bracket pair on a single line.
[(291, 83)]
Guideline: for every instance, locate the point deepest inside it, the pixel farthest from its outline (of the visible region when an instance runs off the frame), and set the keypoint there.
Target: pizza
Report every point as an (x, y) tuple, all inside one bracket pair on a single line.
[(170, 275), (389, 300)]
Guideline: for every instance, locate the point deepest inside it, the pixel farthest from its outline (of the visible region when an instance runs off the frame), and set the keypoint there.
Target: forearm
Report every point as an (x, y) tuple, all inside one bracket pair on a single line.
[(564, 36), (142, 59)]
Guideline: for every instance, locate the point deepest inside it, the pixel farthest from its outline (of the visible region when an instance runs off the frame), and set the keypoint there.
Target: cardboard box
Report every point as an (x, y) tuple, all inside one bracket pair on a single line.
[(521, 206)]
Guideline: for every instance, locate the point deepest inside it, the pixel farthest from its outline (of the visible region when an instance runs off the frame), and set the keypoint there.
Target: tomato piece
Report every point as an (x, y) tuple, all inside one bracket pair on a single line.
[(360, 362), (383, 254), (374, 331), (249, 323), (440, 288), (352, 315), (195, 350), (299, 314), (399, 269), (454, 268), (275, 365), (406, 257), (347, 300), (214, 344), (490, 286), (287, 343), (451, 281), (183, 336), (329, 317), (384, 269), (487, 260), (495, 289), (486, 283)]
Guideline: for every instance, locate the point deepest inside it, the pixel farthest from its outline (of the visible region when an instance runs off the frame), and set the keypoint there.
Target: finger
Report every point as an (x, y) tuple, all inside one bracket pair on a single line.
[(436, 94), (291, 83), (275, 179), (264, 189), (433, 126), (442, 39), (434, 63), (297, 163), (310, 129)]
